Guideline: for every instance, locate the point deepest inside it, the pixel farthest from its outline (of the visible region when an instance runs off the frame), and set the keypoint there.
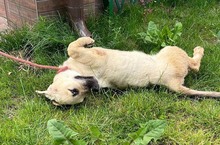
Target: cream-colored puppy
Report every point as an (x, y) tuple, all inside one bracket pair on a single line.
[(90, 68)]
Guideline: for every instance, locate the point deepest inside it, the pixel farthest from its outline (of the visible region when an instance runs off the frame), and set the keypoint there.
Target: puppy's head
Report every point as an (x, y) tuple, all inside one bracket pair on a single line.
[(69, 88)]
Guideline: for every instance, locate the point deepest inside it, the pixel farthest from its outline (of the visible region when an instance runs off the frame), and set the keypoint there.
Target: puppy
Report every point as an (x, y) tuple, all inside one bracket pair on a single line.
[(94, 68)]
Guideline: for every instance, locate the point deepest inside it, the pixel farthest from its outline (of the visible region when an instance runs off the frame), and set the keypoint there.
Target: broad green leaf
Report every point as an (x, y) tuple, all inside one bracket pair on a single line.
[(95, 133), (152, 29), (163, 37), (60, 132), (156, 130), (151, 130), (177, 32), (148, 39), (142, 34), (138, 141), (138, 133), (178, 28)]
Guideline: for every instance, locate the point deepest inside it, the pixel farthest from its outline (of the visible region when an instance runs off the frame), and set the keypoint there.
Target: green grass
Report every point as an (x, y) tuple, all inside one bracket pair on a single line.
[(24, 114)]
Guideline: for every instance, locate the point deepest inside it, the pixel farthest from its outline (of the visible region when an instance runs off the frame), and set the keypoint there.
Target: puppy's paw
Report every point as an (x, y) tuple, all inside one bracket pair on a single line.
[(199, 50), (73, 48), (85, 41)]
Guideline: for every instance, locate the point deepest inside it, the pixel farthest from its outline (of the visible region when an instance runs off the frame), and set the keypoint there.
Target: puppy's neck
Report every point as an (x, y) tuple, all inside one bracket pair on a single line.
[(67, 74), (67, 71)]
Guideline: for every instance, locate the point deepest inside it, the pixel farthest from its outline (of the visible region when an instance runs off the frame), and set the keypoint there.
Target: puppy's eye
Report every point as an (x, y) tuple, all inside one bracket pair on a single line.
[(74, 92)]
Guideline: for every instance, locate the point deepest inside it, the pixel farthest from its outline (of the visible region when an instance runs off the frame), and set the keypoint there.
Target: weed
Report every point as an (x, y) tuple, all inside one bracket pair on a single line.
[(152, 129), (62, 134), (161, 38)]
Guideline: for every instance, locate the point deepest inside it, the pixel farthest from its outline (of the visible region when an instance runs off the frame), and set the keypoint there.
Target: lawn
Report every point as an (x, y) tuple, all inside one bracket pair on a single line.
[(190, 120)]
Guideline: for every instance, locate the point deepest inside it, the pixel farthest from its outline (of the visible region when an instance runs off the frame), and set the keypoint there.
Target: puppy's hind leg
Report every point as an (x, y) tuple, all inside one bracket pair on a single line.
[(76, 47), (194, 63), (176, 85), (88, 56)]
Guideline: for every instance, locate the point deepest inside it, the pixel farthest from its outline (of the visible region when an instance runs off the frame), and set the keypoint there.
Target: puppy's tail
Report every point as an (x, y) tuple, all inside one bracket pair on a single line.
[(191, 92)]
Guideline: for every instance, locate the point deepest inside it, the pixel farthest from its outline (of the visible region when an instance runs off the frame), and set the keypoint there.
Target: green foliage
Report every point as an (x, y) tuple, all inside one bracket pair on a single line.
[(118, 32), (108, 119), (151, 130), (62, 134), (161, 38), (46, 36), (46, 40), (14, 40)]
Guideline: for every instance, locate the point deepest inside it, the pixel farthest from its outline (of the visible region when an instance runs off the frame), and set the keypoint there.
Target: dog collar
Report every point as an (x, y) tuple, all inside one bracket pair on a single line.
[(62, 69)]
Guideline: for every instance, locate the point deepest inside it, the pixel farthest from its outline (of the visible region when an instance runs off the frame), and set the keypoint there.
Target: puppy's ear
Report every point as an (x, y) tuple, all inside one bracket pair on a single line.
[(90, 82)]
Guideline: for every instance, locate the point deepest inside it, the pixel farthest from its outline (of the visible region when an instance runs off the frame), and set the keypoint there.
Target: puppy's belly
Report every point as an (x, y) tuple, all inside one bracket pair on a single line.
[(135, 70), (133, 79)]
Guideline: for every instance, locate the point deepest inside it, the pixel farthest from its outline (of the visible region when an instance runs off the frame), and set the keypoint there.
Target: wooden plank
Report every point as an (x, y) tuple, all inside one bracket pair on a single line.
[(2, 2), (53, 13), (50, 5), (2, 10), (92, 7), (31, 4), (22, 11), (15, 20)]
